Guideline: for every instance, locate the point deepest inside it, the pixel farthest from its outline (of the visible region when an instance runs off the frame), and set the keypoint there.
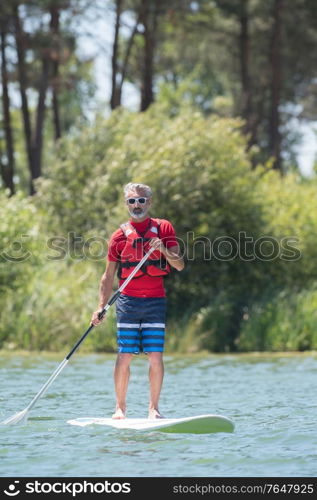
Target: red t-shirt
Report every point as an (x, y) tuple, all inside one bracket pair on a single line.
[(143, 286)]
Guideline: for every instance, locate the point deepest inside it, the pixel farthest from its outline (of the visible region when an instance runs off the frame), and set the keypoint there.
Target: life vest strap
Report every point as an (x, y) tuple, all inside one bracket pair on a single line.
[(139, 240), (157, 262)]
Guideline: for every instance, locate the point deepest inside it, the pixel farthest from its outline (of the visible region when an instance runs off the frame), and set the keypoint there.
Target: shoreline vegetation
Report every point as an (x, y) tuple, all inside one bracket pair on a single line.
[(248, 238), (254, 355)]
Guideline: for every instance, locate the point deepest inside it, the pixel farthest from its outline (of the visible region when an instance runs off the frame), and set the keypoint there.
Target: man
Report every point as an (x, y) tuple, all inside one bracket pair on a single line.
[(141, 307)]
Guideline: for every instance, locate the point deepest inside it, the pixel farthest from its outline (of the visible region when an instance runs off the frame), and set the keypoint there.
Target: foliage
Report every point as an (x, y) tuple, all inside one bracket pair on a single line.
[(290, 212), (285, 322), (52, 73), (54, 310), (21, 243)]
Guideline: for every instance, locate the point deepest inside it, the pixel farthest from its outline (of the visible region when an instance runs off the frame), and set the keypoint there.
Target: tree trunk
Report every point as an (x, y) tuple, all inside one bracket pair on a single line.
[(127, 57), (7, 170), (20, 45), (246, 98), (34, 142), (149, 21), (54, 56), (276, 80), (37, 142), (115, 99)]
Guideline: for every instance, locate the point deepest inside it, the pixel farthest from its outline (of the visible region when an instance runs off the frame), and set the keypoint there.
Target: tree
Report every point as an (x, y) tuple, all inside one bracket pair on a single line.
[(33, 138), (55, 61), (276, 84), (115, 99), (149, 19), (7, 169), (258, 56), (50, 77), (133, 55)]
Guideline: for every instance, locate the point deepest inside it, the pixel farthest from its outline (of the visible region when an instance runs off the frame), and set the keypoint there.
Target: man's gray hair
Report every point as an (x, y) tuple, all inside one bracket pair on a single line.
[(134, 186)]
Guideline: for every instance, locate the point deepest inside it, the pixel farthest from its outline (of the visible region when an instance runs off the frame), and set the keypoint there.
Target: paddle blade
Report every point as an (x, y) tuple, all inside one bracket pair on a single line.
[(17, 418)]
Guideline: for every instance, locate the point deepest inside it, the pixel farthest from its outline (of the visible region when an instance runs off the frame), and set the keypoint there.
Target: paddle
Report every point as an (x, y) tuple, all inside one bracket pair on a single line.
[(18, 417)]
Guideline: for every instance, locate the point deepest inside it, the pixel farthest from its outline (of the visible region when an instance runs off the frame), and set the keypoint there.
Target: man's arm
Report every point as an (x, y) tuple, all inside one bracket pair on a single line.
[(172, 254), (105, 289)]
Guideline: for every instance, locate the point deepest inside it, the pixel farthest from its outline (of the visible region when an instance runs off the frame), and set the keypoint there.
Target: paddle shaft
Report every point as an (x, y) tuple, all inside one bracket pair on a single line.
[(111, 301)]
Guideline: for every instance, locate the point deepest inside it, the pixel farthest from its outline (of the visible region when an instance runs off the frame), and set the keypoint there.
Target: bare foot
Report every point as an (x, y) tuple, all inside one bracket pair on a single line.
[(118, 414), (154, 413)]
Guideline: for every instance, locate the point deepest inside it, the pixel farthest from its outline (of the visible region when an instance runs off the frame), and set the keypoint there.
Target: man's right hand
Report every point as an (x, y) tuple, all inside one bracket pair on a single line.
[(95, 319)]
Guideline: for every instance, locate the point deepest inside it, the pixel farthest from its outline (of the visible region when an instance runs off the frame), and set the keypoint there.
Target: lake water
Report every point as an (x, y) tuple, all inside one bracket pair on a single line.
[(271, 399)]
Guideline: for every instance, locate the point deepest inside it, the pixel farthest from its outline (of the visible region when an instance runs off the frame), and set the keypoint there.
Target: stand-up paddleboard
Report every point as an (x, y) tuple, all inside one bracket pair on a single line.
[(200, 424)]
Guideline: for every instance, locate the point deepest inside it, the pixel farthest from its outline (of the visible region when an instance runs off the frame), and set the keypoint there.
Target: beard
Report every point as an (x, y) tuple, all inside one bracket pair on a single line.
[(137, 212)]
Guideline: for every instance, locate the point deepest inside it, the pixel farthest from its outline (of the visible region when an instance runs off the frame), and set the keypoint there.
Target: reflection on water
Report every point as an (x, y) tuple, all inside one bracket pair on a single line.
[(271, 398)]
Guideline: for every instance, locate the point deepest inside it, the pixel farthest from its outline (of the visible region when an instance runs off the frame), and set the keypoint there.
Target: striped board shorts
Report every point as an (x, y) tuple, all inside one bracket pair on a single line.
[(140, 324)]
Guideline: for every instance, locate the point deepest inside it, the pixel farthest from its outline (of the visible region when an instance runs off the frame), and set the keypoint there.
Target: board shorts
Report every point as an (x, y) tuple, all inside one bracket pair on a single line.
[(140, 324)]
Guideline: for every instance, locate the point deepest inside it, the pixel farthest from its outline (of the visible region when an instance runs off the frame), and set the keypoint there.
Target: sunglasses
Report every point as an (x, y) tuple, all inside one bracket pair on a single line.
[(141, 200)]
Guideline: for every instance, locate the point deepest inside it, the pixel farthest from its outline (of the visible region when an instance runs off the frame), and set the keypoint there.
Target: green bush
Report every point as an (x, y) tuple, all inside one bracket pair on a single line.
[(54, 311), (21, 243), (285, 322), (290, 211)]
